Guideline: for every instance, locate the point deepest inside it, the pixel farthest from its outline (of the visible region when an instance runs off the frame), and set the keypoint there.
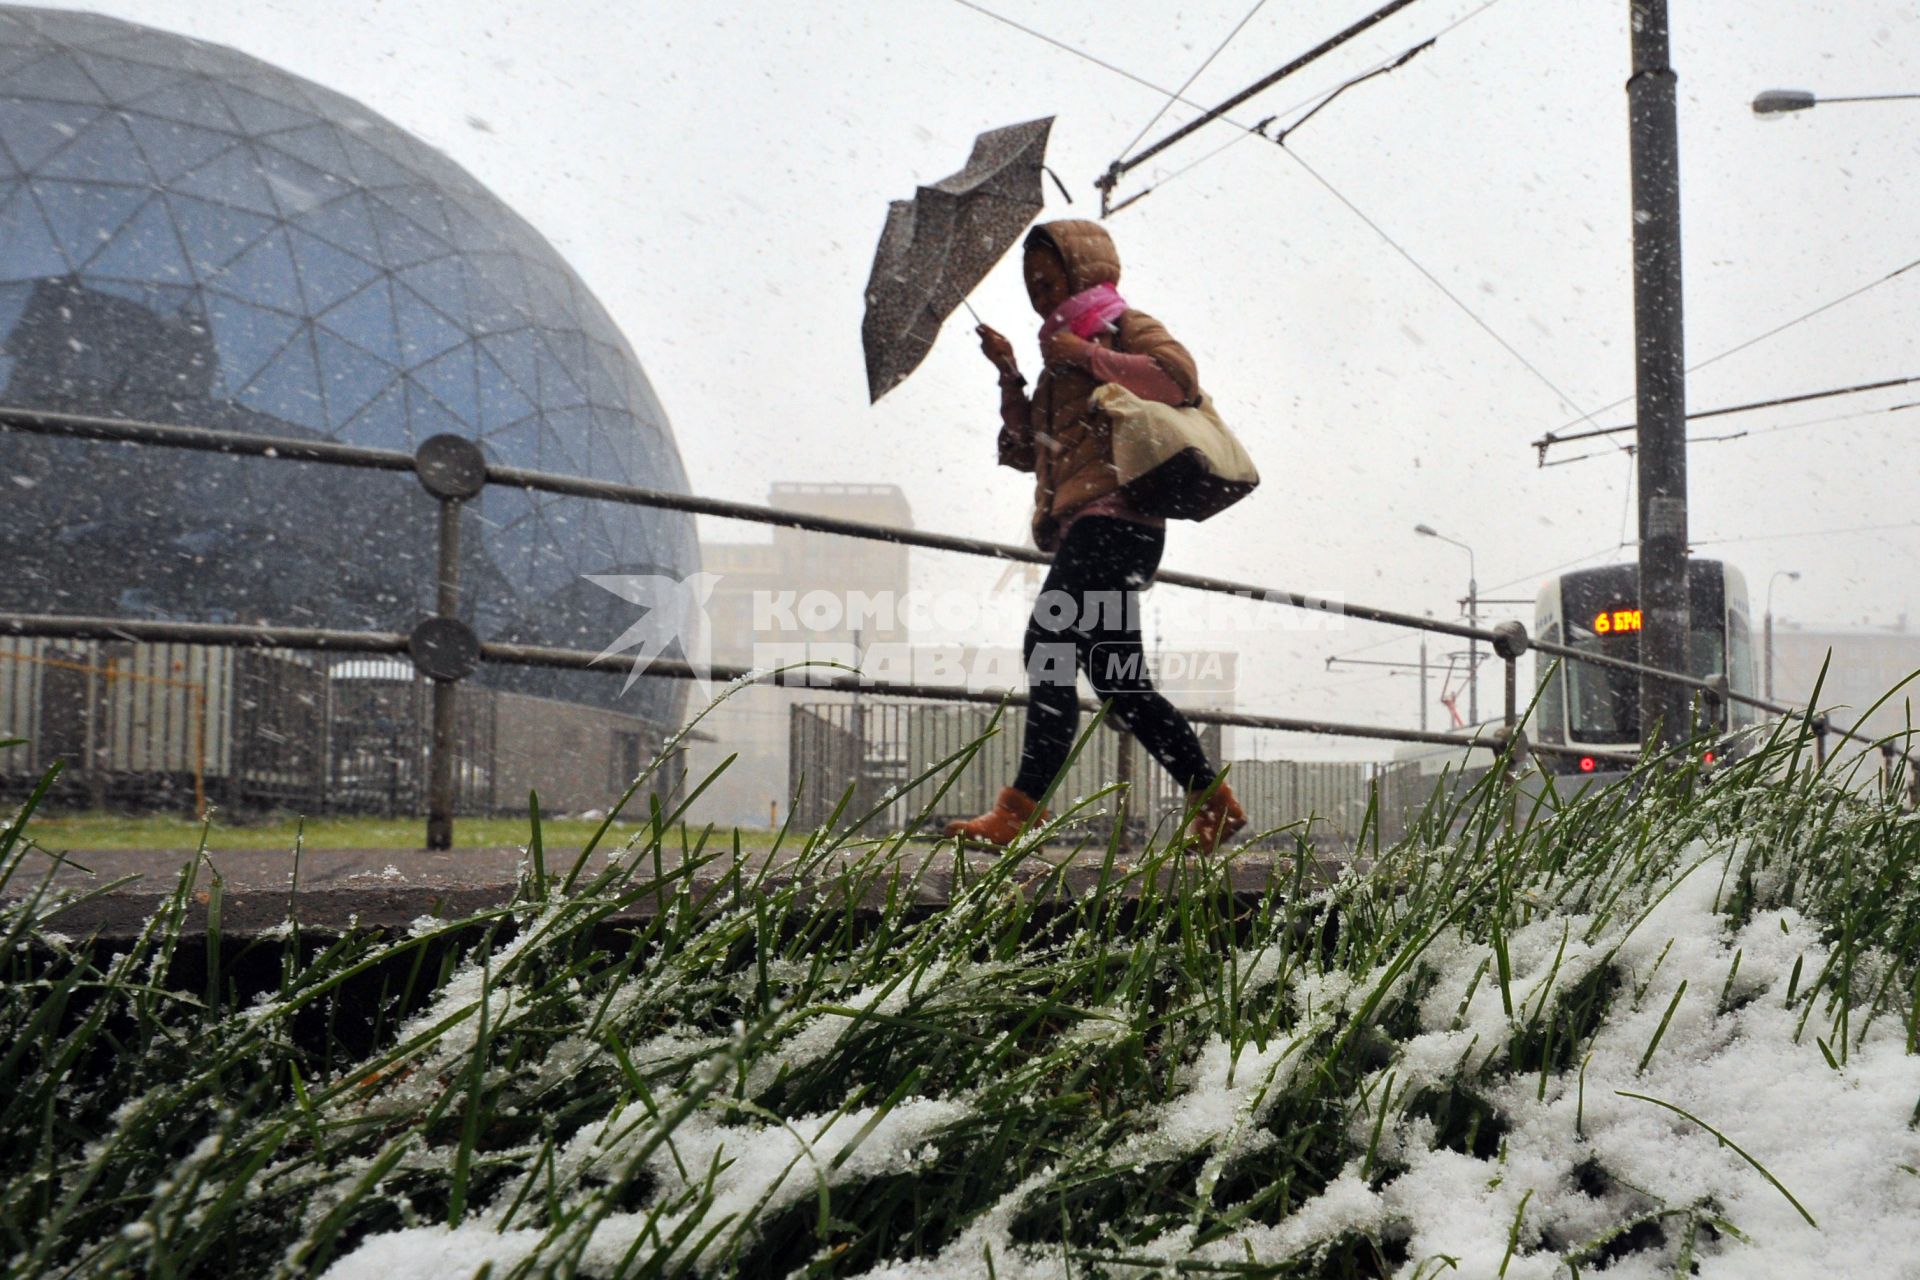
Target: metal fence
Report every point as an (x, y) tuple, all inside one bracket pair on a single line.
[(445, 649), (143, 724), (241, 725), (871, 751), (875, 758)]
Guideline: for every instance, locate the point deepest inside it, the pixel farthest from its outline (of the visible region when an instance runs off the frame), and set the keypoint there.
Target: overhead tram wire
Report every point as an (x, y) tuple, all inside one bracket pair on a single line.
[(1319, 98), (1170, 95), (1758, 431), (1807, 533), (1219, 113), (1838, 417), (1082, 54), (1563, 565), (1121, 167), (1176, 95), (1759, 337), (1435, 281), (1751, 432), (1552, 438), (1385, 68), (1761, 430)]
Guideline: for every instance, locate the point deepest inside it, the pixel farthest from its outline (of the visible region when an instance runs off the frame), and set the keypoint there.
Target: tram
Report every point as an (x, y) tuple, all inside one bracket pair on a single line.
[(1598, 611)]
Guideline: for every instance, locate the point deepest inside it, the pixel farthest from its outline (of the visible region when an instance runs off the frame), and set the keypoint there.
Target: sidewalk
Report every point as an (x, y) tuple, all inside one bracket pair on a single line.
[(343, 889)]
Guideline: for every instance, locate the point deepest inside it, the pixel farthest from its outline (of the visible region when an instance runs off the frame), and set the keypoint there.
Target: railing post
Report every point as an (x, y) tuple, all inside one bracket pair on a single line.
[(1715, 700), (97, 746), (444, 648), (1820, 741), (1510, 641)]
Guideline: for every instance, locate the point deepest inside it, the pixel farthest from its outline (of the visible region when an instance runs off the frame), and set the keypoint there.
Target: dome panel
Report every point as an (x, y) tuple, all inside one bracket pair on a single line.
[(56, 78), (230, 246), (36, 130), (104, 151)]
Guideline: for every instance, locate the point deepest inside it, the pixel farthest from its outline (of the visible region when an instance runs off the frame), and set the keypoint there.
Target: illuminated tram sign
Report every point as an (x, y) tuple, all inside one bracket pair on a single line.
[(1611, 621)]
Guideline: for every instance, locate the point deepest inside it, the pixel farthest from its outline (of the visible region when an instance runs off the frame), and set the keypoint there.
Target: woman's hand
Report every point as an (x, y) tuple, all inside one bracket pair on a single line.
[(1065, 347), (994, 345)]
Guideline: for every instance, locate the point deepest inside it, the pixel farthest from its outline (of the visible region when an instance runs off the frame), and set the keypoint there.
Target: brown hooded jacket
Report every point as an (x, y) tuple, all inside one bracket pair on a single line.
[(1067, 444)]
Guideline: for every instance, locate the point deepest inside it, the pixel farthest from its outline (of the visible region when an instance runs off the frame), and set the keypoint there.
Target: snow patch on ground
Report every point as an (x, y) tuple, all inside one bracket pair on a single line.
[(756, 1171), (1841, 1140)]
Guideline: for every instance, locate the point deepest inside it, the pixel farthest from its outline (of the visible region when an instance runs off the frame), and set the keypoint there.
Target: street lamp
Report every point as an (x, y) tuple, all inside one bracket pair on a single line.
[(1774, 102), (1791, 575), (1473, 619)]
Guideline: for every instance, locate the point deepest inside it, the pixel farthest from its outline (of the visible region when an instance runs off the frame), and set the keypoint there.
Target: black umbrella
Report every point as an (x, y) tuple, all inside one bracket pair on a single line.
[(939, 245)]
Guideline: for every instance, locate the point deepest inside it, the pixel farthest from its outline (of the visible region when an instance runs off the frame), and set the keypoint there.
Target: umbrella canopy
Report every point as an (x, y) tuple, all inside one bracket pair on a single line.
[(937, 246)]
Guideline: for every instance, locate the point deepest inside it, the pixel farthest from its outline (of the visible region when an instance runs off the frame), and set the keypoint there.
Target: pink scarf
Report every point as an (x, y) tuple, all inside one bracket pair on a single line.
[(1088, 312)]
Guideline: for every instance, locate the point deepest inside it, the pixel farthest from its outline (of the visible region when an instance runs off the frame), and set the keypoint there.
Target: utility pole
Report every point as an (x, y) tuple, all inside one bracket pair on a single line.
[(1423, 682), (1769, 653), (1660, 371), (1791, 575), (1473, 643)]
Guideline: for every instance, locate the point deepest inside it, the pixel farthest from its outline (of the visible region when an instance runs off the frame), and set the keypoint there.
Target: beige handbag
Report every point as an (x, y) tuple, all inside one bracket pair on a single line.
[(1180, 462)]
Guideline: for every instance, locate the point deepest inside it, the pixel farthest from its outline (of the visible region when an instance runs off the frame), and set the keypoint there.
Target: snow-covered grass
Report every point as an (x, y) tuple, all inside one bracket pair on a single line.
[(1670, 1028)]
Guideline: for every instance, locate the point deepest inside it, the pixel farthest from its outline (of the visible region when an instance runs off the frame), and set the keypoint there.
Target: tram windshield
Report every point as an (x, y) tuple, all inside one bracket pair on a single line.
[(1603, 703)]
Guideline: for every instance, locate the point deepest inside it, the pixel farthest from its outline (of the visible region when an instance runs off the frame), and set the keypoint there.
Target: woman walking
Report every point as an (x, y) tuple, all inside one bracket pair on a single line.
[(1104, 551)]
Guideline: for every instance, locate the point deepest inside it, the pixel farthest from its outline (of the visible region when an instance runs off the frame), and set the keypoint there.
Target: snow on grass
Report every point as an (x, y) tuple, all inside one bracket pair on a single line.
[(1670, 1030), (713, 1183), (1579, 1159)]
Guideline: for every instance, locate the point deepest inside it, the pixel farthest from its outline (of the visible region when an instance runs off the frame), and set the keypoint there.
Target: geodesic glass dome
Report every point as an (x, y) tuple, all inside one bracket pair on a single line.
[(190, 235)]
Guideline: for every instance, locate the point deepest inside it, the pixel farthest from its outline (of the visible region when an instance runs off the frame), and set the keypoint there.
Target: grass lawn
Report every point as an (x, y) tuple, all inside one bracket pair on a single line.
[(1669, 1028), (95, 830)]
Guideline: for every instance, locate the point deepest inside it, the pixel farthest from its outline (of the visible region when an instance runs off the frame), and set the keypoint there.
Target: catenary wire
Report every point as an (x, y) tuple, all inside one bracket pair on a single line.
[(1432, 279), (1171, 98), (1807, 533), (1838, 417), (1126, 164), (1565, 564), (1762, 337), (1828, 420), (1435, 281), (1775, 402), (1626, 503), (1082, 54), (1319, 98)]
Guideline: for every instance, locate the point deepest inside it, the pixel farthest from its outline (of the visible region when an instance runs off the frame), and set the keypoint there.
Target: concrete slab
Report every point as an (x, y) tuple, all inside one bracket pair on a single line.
[(112, 893)]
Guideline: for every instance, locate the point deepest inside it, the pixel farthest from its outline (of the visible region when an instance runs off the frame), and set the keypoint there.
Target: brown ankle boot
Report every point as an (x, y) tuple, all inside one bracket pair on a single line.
[(1218, 816), (1012, 813)]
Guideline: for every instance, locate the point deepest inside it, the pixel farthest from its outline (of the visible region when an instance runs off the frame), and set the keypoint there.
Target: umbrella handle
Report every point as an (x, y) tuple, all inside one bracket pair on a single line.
[(971, 311)]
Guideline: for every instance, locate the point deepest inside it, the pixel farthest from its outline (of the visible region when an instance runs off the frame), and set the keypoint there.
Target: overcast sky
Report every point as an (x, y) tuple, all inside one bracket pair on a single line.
[(718, 172)]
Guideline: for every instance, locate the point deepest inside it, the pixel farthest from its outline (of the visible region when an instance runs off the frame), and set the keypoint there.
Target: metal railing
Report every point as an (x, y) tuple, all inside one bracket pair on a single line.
[(442, 647)]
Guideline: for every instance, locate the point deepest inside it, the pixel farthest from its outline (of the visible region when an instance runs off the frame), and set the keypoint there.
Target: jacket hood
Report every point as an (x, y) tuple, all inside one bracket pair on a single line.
[(1085, 248)]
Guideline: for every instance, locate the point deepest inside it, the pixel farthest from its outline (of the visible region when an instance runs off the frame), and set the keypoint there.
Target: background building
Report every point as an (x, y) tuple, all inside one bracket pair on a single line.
[(1865, 666), (191, 236), (754, 725)]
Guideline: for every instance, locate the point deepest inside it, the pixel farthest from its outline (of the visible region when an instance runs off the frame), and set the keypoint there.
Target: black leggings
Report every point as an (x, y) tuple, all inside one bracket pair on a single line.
[(1087, 618)]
